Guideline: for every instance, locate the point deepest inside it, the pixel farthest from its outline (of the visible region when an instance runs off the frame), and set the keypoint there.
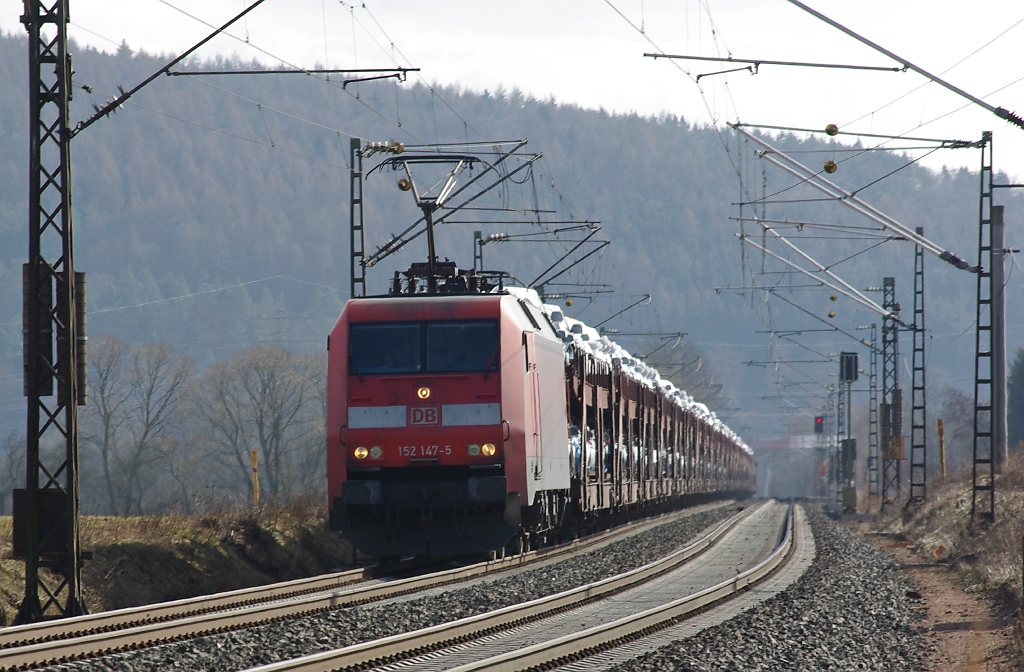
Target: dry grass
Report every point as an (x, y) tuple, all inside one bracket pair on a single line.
[(988, 556), (141, 560)]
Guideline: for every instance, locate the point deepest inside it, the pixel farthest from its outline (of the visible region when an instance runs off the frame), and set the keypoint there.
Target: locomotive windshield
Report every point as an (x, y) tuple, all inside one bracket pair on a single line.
[(385, 348), (451, 346)]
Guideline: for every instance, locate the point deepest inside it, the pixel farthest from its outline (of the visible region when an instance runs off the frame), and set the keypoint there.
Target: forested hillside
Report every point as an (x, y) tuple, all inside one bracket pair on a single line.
[(232, 192)]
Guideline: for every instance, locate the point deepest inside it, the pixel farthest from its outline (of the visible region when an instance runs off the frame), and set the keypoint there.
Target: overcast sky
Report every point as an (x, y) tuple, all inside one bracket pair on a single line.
[(590, 52)]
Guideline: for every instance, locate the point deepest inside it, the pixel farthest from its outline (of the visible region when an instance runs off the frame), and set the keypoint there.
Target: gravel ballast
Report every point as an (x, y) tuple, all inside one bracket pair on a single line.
[(850, 611)]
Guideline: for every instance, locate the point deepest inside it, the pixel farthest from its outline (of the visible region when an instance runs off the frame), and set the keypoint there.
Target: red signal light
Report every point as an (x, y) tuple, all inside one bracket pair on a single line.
[(819, 424)]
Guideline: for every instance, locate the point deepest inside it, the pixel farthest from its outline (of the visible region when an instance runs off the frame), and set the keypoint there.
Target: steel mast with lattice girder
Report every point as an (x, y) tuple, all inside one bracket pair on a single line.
[(46, 512)]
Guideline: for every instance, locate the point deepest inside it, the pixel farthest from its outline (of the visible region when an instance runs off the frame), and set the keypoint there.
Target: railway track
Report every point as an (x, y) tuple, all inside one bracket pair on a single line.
[(561, 628), (547, 632), (108, 621), (37, 645)]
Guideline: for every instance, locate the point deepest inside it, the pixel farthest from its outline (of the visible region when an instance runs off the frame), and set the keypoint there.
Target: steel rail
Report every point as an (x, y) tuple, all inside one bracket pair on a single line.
[(592, 640), (46, 631), (382, 651), (139, 627)]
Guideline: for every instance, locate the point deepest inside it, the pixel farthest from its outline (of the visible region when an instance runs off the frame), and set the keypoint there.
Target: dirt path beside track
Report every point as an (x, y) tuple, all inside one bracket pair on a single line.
[(968, 631)]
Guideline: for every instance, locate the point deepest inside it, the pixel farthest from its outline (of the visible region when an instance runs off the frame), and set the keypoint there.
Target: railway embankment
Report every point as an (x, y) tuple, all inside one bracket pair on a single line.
[(147, 559), (963, 561)]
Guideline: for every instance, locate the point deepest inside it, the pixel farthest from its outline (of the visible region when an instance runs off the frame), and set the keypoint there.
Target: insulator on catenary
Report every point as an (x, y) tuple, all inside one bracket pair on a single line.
[(389, 147)]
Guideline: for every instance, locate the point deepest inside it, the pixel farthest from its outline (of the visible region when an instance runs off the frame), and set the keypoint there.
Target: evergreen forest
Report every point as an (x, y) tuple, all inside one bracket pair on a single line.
[(211, 216)]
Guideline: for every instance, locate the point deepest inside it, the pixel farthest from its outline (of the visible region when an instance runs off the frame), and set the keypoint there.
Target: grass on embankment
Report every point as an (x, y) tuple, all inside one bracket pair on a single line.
[(142, 560)]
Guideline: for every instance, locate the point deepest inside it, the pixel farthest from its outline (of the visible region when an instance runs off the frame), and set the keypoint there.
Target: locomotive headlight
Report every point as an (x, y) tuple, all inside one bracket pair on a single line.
[(488, 449), (361, 452), (376, 452), (473, 449), (423, 393)]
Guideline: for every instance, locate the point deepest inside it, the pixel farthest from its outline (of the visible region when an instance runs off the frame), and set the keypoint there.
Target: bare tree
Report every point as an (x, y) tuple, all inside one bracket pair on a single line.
[(268, 400), (218, 402), (132, 420), (159, 380), (957, 412), (105, 415), (149, 450), (187, 472), (311, 462)]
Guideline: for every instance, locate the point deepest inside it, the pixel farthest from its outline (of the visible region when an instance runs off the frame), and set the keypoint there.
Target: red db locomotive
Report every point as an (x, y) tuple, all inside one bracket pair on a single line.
[(465, 422)]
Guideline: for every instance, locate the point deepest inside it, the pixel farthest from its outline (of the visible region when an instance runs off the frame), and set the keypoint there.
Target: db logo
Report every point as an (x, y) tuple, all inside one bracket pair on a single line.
[(423, 415)]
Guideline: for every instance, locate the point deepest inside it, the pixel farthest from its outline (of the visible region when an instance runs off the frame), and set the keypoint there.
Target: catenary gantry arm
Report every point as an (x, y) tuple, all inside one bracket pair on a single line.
[(843, 288), (813, 178)]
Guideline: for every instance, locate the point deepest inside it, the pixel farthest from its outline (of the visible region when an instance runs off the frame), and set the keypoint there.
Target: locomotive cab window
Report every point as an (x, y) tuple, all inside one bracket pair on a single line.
[(385, 348), (462, 346), (455, 346)]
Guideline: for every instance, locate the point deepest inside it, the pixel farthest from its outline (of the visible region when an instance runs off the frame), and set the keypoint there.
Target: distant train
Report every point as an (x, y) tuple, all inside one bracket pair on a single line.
[(470, 419)]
